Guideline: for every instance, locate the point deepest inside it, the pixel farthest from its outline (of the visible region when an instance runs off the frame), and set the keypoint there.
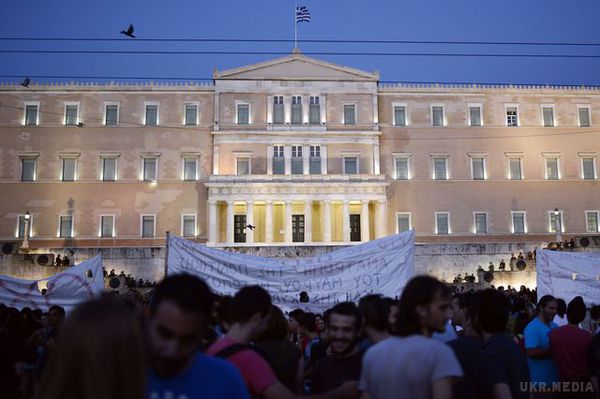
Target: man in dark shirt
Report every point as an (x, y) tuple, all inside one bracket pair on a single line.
[(502, 366), (345, 360)]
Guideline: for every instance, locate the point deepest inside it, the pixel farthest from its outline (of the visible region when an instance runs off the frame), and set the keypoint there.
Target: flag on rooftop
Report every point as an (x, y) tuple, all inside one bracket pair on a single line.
[(302, 14)]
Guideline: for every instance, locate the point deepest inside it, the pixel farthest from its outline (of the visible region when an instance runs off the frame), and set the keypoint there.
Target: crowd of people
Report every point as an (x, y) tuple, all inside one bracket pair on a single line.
[(186, 342)]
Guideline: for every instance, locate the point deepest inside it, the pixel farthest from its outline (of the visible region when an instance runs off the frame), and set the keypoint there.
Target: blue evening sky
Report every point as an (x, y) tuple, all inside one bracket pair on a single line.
[(437, 20)]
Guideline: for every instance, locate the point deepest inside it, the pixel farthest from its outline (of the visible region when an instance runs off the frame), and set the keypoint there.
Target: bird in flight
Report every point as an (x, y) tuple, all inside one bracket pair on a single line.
[(250, 227), (129, 31), (26, 82)]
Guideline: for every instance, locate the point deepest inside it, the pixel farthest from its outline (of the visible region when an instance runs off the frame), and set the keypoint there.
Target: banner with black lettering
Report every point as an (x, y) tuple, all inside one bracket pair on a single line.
[(568, 274), (381, 266)]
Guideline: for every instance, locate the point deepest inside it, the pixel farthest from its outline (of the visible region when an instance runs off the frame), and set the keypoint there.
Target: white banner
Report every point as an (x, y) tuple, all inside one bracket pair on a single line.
[(66, 289), (381, 266), (568, 274)]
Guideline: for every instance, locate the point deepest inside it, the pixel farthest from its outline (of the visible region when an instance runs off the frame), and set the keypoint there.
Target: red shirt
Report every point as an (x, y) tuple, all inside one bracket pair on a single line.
[(569, 346), (255, 370)]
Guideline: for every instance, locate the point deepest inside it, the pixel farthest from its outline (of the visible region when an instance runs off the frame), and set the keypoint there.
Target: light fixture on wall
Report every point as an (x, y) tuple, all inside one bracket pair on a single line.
[(25, 244)]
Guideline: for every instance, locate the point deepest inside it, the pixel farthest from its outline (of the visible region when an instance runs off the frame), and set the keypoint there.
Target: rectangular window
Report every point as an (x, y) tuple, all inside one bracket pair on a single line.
[(591, 219), (21, 232), (68, 169), (349, 114), (151, 114), (403, 222), (112, 115), (515, 169), (552, 168), (71, 114), (109, 169), (588, 168), (556, 222), (401, 167), (440, 171), (442, 223), (584, 116), (548, 116), (107, 226), (296, 110), (148, 222), (191, 114), (475, 115), (399, 115), (190, 169), (315, 160), (66, 227), (350, 165), (278, 160), (31, 115), (478, 167), (28, 169), (243, 114), (512, 117), (518, 222), (297, 161), (150, 169), (481, 223), (189, 226), (437, 115), (314, 111), (242, 165), (278, 110)]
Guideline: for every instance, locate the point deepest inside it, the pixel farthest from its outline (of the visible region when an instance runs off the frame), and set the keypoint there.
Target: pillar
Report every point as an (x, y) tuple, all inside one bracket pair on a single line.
[(287, 153), (364, 222), (326, 222), (381, 228), (249, 221), (288, 222), (212, 221), (308, 221), (229, 222), (269, 221), (305, 159), (345, 221), (270, 159)]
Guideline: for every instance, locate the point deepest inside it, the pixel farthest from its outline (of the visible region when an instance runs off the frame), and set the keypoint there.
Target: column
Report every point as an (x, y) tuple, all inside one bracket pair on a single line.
[(216, 159), (229, 222), (305, 108), (308, 221), (381, 227), (326, 222), (346, 221), (270, 159), (376, 161), (323, 159), (288, 222), (287, 153), (323, 108), (217, 112), (306, 159), (364, 222), (269, 221), (212, 221), (250, 221)]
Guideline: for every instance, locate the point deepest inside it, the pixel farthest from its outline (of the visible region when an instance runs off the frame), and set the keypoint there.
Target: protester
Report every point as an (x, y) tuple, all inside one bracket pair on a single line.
[(98, 354), (393, 307), (502, 366), (537, 343), (560, 319), (594, 363), (374, 310), (177, 320), (413, 364), (345, 359), (294, 323)]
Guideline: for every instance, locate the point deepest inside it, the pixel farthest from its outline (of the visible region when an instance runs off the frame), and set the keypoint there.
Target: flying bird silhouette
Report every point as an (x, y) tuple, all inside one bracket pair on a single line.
[(250, 227), (129, 31), (26, 82)]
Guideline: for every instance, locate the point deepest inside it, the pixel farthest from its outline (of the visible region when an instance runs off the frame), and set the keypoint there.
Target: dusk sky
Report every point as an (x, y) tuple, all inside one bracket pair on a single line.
[(458, 20)]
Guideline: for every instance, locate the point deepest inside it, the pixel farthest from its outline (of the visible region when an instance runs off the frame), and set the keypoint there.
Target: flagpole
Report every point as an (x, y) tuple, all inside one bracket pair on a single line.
[(167, 253), (295, 28)]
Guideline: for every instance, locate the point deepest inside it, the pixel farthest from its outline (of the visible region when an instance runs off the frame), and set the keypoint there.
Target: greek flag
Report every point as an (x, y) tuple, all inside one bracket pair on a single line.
[(302, 14)]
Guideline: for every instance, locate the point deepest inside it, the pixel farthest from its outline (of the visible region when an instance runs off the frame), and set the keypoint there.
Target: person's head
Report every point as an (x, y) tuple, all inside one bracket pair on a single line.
[(343, 328), (457, 305), (491, 310), (595, 312), (222, 312), (101, 337), (294, 320), (424, 307), (320, 323), (308, 323), (277, 328), (374, 311), (561, 307), (56, 315), (251, 308), (547, 307), (393, 306), (177, 321), (576, 310)]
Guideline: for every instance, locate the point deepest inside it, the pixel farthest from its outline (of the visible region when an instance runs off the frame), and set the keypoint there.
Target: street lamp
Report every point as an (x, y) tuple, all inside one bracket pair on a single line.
[(25, 244), (558, 225)]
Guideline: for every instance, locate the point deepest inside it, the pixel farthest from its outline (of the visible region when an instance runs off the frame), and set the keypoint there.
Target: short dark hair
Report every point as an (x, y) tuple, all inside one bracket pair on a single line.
[(374, 310), (576, 310), (561, 307), (249, 301), (491, 309), (58, 308), (420, 290), (277, 328), (190, 294), (296, 314), (308, 321), (545, 300), (346, 309)]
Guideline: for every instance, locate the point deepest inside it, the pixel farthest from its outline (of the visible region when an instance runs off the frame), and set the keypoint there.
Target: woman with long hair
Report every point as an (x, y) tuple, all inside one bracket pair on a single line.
[(98, 354)]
